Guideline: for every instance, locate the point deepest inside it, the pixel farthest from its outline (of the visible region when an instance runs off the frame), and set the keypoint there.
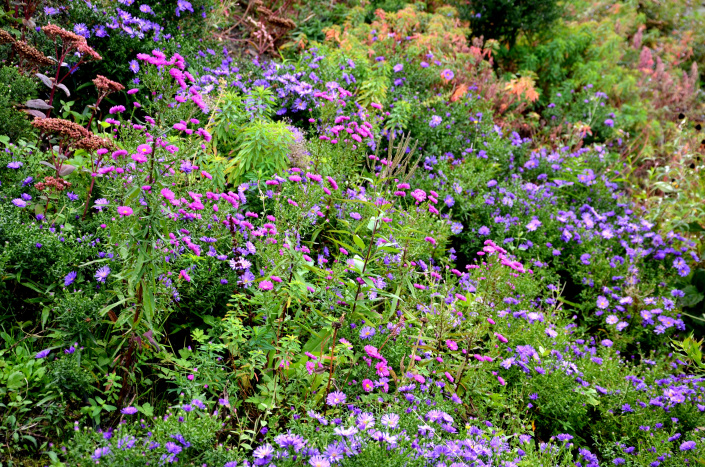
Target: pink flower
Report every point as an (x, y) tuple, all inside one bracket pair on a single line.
[(376, 106), (190, 377), (124, 211), (139, 158), (185, 275), (332, 183), (144, 149), (207, 175), (461, 297), (133, 91), (430, 240), (266, 285), (367, 385), (168, 194), (501, 337), (452, 345)]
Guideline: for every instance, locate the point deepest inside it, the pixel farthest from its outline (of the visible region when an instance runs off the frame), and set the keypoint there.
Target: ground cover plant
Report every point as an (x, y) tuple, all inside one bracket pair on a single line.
[(233, 234)]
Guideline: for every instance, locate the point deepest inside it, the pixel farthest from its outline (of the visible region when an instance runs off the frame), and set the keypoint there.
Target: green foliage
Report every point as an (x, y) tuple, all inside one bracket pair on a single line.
[(505, 20), (15, 89), (263, 148)]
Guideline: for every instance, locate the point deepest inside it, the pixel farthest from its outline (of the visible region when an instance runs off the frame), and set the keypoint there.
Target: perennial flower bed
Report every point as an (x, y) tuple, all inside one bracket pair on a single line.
[(356, 255)]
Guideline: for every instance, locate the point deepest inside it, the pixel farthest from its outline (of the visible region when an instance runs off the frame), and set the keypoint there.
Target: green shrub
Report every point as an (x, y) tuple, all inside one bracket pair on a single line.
[(505, 20), (15, 89)]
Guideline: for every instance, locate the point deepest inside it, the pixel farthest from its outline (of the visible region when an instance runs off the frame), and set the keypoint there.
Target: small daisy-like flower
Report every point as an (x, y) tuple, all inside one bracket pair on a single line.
[(124, 211), (102, 274), (447, 74), (336, 397)]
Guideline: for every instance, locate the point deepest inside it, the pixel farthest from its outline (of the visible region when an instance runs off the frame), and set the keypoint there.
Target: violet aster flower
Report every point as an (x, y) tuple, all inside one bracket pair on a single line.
[(335, 398), (129, 411), (70, 277), (688, 446), (102, 274), (43, 353)]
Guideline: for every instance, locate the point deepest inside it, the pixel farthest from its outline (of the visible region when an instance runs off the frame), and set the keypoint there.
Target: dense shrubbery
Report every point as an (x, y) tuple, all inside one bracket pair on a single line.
[(377, 251)]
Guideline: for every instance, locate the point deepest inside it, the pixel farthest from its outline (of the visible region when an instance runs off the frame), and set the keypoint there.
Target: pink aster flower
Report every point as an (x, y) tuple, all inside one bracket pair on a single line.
[(185, 275), (144, 149), (124, 211), (367, 385), (266, 285)]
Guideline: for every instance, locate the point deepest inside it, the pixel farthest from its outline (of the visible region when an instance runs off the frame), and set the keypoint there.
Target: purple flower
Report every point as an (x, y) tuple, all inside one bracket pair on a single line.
[(129, 411), (435, 121), (70, 277), (134, 66), (484, 231), (335, 398), (390, 420), (81, 30), (100, 452), (602, 302), (688, 446), (355, 216), (20, 203), (447, 74), (43, 353), (609, 122), (173, 448), (367, 332), (398, 67), (102, 274), (15, 165)]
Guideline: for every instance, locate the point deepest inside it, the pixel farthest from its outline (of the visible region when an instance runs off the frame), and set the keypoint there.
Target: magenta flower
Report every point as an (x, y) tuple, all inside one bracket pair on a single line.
[(266, 285), (124, 211), (185, 275), (367, 385), (501, 337), (144, 149)]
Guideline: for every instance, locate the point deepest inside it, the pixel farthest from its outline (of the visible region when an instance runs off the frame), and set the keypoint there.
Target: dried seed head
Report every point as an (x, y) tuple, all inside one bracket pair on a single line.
[(59, 184), (6, 37), (58, 126), (266, 12), (53, 31), (93, 143), (107, 86), (31, 54), (282, 22)]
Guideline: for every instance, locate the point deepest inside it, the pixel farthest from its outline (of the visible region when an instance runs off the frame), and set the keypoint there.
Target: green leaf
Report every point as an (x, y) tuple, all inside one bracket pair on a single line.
[(15, 380)]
